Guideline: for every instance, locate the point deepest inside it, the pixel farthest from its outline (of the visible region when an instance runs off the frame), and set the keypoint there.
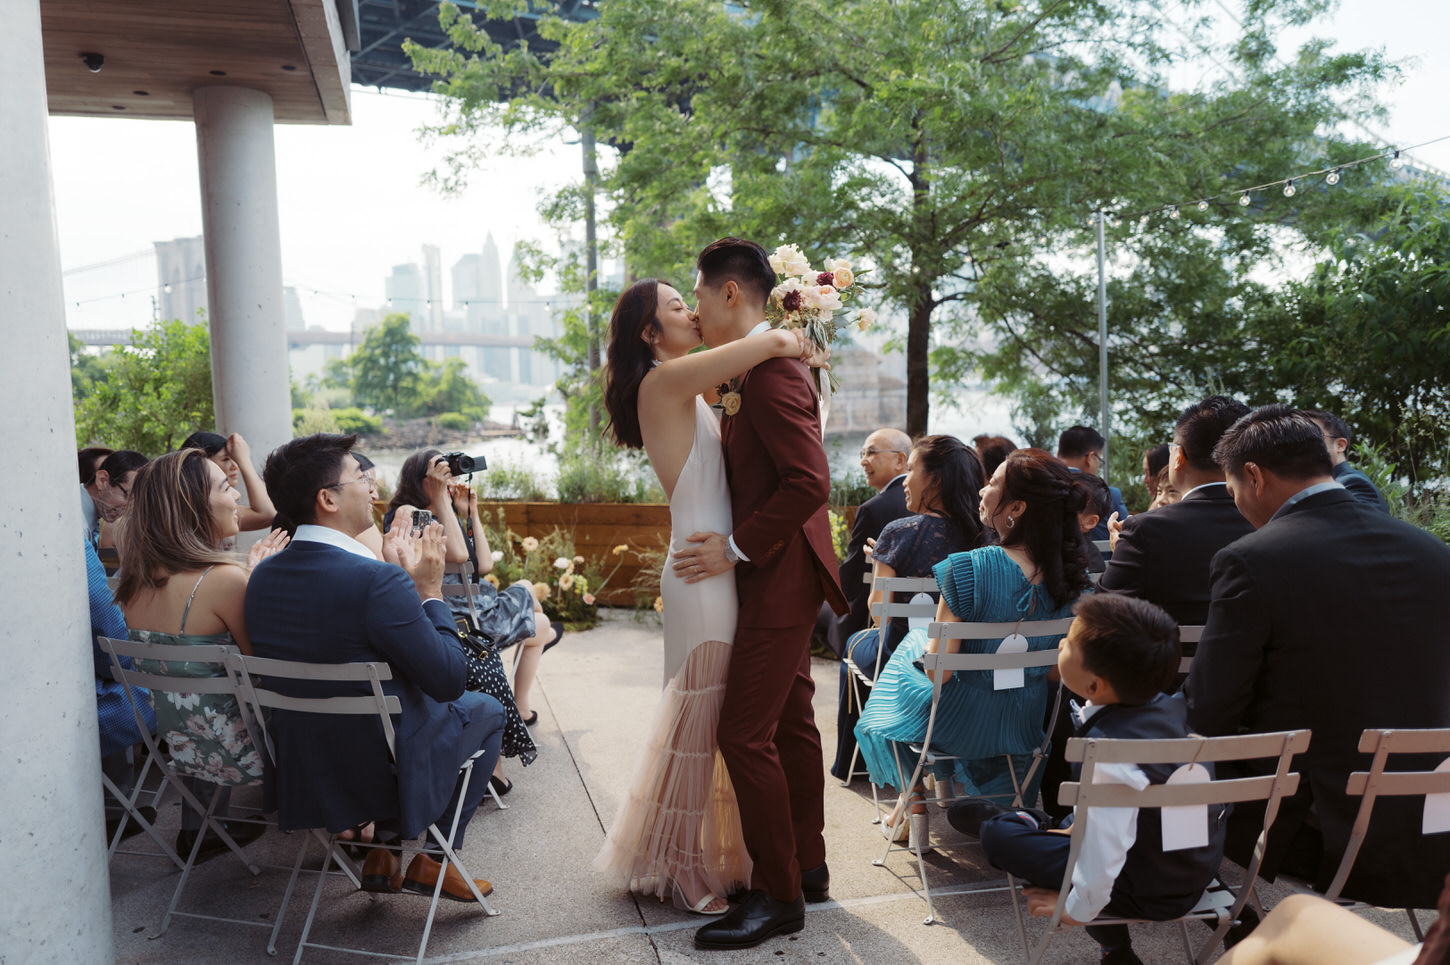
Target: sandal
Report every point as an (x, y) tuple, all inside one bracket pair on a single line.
[(699, 907)]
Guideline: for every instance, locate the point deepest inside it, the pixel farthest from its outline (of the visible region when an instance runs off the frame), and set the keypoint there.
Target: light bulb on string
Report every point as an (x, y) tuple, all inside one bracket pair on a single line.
[(1396, 162), (1203, 206), (1244, 199), (1289, 188), (1174, 213), (1143, 220), (1332, 177)]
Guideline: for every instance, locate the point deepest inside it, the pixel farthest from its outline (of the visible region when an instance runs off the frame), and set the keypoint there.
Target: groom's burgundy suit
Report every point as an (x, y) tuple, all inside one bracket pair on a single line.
[(779, 482)]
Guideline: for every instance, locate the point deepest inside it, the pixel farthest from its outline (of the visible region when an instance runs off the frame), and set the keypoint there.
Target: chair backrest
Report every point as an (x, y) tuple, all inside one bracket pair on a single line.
[(464, 586), (1379, 782), (1085, 794), (915, 611), (1188, 633), (260, 696), (1103, 545)]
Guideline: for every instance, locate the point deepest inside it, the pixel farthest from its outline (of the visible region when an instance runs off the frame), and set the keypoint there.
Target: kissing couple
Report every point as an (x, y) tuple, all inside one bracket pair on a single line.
[(752, 563)]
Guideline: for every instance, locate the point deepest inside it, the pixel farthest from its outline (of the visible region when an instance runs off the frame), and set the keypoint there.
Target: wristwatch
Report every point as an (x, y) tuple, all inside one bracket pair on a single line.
[(731, 556)]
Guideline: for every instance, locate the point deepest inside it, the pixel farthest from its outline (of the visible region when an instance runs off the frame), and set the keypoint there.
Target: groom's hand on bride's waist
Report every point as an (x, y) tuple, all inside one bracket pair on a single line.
[(702, 558)]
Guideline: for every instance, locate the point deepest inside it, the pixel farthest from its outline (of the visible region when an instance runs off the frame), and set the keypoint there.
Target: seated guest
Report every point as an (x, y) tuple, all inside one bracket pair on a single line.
[(89, 459), (993, 451), (1337, 439), (104, 497), (1097, 505), (1333, 617), (505, 617), (883, 460), (119, 732), (1081, 449), (1155, 460), (1036, 573), (1166, 493), (234, 457), (178, 587), (943, 477), (327, 599), (1119, 654), (1163, 556)]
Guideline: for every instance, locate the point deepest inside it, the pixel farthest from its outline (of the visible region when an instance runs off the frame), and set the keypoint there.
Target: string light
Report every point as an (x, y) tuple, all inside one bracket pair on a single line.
[(1289, 188), (1244, 199), (1175, 214), (1332, 178), (1397, 162)]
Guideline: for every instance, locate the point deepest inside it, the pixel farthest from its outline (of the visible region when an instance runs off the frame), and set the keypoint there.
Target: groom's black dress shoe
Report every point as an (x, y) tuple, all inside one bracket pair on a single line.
[(751, 922), (816, 884)]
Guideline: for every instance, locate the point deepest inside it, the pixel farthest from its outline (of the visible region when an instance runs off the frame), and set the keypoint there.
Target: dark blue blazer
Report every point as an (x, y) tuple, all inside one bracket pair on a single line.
[(1335, 617), (318, 603)]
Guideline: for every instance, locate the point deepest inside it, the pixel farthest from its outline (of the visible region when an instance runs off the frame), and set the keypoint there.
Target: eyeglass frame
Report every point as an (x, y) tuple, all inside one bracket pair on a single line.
[(365, 466), (868, 451)]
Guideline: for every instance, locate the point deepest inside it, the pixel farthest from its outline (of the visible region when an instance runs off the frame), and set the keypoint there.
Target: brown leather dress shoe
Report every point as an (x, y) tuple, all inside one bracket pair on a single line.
[(382, 872), (422, 876)]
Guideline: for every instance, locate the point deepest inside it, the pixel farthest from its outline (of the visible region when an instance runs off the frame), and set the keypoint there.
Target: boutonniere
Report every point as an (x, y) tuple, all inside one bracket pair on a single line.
[(729, 393)]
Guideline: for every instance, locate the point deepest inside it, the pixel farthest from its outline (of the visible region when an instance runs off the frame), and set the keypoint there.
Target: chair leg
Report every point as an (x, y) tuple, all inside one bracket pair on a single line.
[(287, 895), (1415, 924), (206, 820), (316, 900)]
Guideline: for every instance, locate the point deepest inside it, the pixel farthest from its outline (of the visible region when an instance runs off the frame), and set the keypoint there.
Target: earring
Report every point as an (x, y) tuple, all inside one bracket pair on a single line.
[(1010, 522)]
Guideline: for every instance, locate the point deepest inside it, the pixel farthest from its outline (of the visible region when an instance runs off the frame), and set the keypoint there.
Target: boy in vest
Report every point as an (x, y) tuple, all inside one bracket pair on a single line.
[(1119, 654)]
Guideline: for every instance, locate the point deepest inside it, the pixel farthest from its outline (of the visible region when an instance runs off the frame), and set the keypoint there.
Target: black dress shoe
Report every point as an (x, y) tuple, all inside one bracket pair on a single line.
[(816, 884), (752, 921), (968, 816)]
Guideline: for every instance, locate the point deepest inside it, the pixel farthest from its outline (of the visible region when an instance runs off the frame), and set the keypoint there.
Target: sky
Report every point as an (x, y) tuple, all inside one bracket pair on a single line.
[(353, 205)]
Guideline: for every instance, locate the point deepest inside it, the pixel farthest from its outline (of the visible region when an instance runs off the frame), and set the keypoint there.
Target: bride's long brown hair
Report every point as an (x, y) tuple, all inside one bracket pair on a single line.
[(630, 358)]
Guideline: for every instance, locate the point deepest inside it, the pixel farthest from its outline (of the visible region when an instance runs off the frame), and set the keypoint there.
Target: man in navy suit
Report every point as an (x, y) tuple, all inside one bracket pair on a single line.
[(1332, 616), (327, 599), (1338, 437), (1163, 556)]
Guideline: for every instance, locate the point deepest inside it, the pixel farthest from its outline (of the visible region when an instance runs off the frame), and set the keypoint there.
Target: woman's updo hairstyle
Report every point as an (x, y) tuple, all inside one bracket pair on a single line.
[(630, 358), (1048, 528), (957, 475)]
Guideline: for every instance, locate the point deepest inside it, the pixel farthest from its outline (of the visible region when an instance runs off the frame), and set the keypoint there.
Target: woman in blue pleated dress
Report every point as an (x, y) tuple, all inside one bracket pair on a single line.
[(1035, 573)]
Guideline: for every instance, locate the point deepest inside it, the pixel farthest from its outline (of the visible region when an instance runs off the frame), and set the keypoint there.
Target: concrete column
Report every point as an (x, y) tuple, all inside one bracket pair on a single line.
[(243, 266), (58, 908)]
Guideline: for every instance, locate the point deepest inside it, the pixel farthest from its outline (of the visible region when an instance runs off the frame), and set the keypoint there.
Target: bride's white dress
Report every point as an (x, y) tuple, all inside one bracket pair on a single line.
[(677, 833)]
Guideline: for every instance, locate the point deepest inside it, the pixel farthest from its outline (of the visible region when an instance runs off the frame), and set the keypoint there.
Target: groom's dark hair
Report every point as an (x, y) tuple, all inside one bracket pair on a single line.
[(743, 262)]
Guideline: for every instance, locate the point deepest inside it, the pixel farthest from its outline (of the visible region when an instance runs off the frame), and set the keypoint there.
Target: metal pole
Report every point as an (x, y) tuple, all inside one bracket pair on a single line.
[(1103, 343), (591, 263)]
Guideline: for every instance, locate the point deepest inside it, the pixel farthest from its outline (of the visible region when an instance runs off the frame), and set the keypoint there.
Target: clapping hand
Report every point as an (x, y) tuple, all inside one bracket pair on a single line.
[(464, 498), (274, 542), (420, 555), (1115, 529), (869, 551)]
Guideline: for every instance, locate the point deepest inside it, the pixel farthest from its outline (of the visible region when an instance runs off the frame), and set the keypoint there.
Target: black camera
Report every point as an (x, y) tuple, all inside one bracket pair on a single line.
[(461, 463)]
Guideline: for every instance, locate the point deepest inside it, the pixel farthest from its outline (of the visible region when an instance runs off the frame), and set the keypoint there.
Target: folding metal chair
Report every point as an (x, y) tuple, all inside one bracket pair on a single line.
[(1219, 905), (464, 586), (1378, 782), (157, 683), (374, 703), (1188, 633), (128, 803), (885, 611), (934, 664)]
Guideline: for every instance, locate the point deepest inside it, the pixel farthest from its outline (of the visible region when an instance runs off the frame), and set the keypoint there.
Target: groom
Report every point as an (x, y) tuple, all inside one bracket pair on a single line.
[(784, 567)]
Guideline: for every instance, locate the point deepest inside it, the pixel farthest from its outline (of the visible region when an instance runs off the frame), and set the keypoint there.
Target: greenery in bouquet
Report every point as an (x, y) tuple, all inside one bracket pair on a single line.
[(810, 300)]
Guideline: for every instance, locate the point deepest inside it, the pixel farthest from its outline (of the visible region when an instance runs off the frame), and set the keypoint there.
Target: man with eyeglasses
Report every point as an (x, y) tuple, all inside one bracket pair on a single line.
[(883, 460), (106, 495), (1081, 450), (327, 599)]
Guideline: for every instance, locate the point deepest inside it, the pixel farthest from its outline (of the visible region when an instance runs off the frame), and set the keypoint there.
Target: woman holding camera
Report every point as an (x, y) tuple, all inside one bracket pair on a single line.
[(505, 617)]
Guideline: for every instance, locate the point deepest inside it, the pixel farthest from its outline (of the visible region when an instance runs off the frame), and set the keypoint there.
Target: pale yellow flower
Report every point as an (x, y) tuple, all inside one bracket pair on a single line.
[(566, 582), (836, 264), (579, 560), (844, 278), (530, 544), (659, 604), (731, 402), (619, 550), (541, 591), (866, 319), (492, 579)]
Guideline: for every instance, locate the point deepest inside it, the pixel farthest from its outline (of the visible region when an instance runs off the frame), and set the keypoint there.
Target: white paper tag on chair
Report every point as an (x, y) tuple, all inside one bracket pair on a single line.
[(1014, 678), (919, 623), (1186, 827), (1437, 807)]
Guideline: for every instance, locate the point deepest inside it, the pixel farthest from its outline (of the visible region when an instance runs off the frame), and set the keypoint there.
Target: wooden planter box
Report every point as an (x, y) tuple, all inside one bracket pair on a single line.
[(598, 528)]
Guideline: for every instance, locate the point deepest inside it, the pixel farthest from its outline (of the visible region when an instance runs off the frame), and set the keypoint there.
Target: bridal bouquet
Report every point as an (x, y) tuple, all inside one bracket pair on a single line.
[(811, 300)]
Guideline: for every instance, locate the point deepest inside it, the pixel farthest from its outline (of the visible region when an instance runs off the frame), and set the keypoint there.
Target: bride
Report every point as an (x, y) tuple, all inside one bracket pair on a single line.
[(677, 832)]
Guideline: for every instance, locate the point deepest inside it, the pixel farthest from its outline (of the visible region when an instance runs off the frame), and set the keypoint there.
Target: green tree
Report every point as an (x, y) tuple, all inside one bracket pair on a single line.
[(387, 368), (447, 388), (158, 391), (86, 370), (955, 149)]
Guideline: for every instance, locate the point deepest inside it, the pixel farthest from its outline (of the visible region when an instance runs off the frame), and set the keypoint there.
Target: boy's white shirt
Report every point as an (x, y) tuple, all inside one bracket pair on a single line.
[(1110, 833)]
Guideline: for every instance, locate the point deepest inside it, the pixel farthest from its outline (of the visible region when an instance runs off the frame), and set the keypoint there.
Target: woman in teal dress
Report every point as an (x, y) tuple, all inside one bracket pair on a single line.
[(1035, 573), (176, 587)]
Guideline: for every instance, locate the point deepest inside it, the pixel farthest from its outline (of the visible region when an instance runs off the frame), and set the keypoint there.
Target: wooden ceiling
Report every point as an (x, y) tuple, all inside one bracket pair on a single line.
[(158, 51)]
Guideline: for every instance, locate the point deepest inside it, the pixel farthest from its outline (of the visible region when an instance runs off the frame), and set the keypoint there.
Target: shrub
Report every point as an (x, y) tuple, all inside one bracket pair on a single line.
[(591, 478), (850, 489), (509, 482), (455, 421), (561, 590), (353, 419)]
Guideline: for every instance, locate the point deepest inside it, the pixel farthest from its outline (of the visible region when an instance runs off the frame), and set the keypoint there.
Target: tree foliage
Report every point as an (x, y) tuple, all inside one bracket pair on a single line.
[(955, 149), (157, 392), (86, 370), (387, 368)]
